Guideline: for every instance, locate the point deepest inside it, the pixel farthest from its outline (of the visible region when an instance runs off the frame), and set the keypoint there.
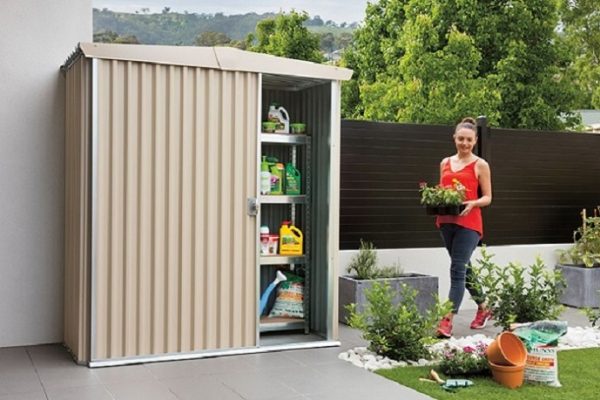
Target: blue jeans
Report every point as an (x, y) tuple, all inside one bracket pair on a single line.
[(460, 243)]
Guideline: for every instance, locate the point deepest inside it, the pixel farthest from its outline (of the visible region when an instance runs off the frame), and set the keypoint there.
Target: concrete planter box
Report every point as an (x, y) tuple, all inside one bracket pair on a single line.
[(353, 291), (582, 285)]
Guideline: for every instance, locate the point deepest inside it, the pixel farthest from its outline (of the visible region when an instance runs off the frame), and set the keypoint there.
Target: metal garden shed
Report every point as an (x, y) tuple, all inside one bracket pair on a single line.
[(163, 205)]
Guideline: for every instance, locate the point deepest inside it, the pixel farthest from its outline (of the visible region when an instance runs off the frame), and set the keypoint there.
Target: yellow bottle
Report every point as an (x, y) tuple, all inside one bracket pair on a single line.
[(290, 240)]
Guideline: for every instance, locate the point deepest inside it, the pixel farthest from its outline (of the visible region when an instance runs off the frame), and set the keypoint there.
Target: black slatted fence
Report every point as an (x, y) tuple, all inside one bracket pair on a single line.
[(540, 182)]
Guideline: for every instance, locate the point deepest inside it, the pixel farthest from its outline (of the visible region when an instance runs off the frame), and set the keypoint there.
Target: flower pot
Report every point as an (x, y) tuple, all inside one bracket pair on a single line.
[(353, 290), (582, 285), (507, 350), (454, 210), (510, 376)]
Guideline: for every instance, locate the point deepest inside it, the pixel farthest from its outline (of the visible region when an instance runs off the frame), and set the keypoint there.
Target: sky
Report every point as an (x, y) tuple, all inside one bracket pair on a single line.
[(335, 10)]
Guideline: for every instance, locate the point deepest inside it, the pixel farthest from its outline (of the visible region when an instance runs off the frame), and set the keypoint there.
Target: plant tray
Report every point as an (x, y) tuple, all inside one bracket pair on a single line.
[(444, 210)]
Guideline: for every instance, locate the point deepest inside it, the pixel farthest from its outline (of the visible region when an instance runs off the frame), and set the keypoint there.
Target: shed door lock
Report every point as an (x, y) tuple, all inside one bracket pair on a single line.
[(253, 206)]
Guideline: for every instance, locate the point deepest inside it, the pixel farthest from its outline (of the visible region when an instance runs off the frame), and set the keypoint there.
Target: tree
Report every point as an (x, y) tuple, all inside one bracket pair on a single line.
[(434, 61), (327, 42), (113, 37), (581, 33), (286, 36), (212, 39)]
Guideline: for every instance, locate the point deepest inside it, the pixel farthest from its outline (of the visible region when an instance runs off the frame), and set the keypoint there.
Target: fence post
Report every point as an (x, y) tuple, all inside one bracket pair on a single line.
[(484, 134)]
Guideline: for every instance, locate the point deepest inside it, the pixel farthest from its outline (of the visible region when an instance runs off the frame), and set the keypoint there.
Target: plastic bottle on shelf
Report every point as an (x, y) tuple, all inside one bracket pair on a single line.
[(280, 116), (264, 240), (265, 176), (290, 239), (292, 180), (277, 176)]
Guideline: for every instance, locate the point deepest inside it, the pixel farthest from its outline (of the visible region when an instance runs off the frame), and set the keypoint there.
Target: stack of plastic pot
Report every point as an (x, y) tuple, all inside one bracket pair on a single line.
[(506, 356)]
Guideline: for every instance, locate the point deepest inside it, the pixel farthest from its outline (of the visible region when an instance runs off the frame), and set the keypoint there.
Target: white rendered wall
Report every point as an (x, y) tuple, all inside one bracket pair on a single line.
[(35, 39), (436, 262)]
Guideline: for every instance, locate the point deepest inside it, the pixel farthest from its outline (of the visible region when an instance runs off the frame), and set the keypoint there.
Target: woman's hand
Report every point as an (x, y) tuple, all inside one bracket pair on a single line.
[(469, 205)]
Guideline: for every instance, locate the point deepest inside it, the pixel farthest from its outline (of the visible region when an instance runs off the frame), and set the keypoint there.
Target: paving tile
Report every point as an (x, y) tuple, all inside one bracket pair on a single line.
[(96, 392), (173, 369), (25, 396), (147, 390), (307, 380), (65, 377), (257, 386), (270, 361), (131, 373), (220, 365), (204, 387), (315, 356), (15, 384)]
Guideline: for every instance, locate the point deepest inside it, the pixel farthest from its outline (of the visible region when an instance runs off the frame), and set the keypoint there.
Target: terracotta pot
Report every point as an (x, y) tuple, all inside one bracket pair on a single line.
[(511, 376), (507, 349)]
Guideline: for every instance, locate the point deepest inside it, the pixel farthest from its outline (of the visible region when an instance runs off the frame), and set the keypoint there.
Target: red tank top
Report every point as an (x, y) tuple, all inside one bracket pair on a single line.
[(468, 178)]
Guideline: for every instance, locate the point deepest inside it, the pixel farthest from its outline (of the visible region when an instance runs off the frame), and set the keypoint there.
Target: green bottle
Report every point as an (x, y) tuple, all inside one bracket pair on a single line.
[(265, 177), (292, 180)]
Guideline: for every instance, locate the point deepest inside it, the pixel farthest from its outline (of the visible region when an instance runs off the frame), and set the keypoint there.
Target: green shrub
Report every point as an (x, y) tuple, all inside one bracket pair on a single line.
[(364, 264), (586, 247), (400, 331), (519, 294)]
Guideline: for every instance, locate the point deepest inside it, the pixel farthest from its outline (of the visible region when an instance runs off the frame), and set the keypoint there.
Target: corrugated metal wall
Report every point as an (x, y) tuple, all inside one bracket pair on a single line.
[(77, 211), (176, 250)]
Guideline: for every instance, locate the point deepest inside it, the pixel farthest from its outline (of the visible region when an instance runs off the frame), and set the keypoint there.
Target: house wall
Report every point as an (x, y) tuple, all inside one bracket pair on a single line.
[(35, 38)]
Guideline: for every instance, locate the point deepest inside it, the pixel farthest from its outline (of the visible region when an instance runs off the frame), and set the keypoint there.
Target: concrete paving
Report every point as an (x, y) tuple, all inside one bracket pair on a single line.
[(48, 373)]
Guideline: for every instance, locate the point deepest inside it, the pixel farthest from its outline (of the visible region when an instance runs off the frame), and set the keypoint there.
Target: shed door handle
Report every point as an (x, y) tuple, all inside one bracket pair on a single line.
[(252, 206)]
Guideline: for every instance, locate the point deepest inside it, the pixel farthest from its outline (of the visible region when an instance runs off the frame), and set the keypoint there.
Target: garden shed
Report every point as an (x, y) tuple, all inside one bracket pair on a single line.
[(163, 214)]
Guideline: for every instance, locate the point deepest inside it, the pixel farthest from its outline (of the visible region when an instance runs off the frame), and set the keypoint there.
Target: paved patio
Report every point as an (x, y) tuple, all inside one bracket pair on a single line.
[(47, 372)]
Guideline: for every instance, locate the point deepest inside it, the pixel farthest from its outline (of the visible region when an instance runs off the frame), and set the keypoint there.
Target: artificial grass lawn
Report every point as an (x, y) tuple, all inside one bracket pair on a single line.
[(578, 372)]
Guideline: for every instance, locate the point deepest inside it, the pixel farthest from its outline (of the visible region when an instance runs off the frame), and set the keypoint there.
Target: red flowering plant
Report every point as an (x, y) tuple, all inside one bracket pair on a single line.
[(439, 195), (467, 360), (443, 200)]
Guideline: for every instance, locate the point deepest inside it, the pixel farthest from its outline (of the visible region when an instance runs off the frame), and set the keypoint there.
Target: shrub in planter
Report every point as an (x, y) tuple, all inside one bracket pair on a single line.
[(398, 331), (519, 294), (365, 273), (586, 247), (364, 264), (580, 264)]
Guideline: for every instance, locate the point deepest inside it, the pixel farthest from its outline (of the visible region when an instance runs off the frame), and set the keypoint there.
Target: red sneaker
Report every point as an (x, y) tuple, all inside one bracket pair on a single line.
[(444, 329), (481, 319)]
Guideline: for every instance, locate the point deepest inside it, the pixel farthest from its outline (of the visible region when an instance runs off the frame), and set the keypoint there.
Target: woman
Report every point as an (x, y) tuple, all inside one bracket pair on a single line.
[(462, 233)]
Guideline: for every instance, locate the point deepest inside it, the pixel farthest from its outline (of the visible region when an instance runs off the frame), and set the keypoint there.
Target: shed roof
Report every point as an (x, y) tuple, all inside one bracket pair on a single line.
[(223, 58)]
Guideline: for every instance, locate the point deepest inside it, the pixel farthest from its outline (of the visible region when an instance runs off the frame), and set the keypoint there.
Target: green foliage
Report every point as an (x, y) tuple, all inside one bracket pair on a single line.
[(171, 28), (440, 195), (581, 35), (578, 370), (592, 314), (113, 37), (286, 36), (434, 61), (519, 294), (466, 360), (400, 332), (364, 264), (586, 250), (212, 39)]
